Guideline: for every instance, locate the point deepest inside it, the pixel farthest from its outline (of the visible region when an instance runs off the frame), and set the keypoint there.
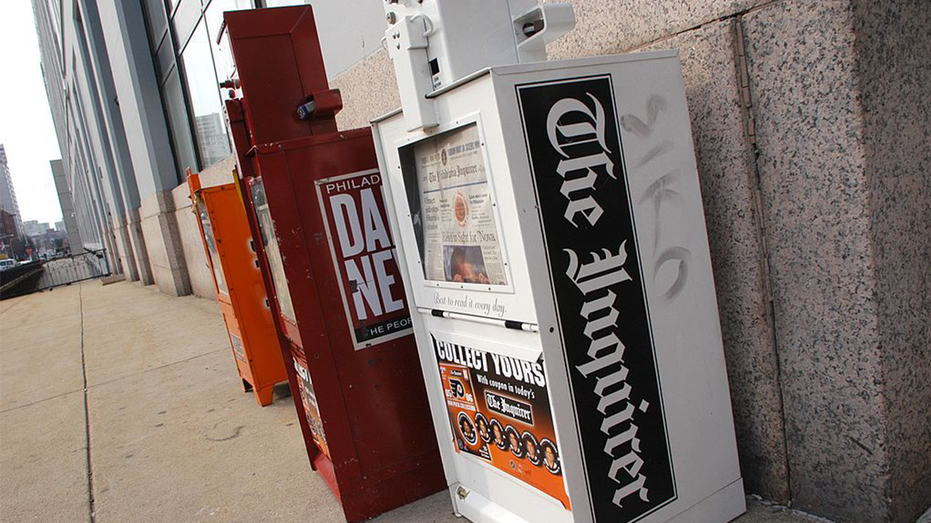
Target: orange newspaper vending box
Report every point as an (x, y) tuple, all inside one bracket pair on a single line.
[(238, 282)]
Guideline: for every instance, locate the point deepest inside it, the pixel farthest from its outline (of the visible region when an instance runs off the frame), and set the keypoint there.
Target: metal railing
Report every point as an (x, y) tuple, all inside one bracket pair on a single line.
[(74, 268)]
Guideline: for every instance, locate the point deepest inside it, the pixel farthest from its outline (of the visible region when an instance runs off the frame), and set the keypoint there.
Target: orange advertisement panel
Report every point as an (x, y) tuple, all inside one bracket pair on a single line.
[(311, 408), (499, 410)]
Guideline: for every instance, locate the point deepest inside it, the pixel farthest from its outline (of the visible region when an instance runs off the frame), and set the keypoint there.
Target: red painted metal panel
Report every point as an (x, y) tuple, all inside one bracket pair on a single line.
[(280, 66), (373, 441)]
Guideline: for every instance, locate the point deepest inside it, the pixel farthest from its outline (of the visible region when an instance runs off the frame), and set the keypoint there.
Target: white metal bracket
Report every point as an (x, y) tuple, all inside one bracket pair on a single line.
[(406, 41), (539, 26)]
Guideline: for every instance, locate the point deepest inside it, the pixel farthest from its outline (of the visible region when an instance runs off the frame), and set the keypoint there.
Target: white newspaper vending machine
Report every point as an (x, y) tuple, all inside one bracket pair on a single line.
[(550, 229)]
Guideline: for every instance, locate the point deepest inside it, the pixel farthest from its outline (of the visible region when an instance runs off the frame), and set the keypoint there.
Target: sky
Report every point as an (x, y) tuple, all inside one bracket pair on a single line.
[(26, 128)]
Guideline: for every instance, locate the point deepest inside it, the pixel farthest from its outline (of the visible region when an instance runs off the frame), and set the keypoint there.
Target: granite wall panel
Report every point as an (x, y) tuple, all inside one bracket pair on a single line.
[(195, 259), (727, 173), (369, 90), (124, 248), (613, 26), (137, 241), (893, 42), (815, 188), (163, 244)]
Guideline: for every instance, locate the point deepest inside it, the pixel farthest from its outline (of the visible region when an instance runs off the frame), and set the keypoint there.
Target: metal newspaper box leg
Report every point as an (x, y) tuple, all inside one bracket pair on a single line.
[(237, 278), (315, 197), (550, 227)]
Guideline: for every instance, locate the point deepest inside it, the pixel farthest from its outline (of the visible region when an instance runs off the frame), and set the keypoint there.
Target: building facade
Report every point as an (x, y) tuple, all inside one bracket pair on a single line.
[(810, 122), (69, 223), (8, 201), (72, 83), (10, 242)]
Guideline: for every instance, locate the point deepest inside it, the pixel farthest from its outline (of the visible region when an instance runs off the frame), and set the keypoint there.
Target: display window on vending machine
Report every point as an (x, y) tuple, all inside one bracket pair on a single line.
[(314, 196), (239, 286)]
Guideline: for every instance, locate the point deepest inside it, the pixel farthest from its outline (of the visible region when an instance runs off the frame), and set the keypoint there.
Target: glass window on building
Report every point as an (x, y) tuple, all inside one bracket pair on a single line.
[(164, 58), (213, 143), (179, 124), (222, 57), (190, 64), (156, 19), (184, 20), (282, 3)]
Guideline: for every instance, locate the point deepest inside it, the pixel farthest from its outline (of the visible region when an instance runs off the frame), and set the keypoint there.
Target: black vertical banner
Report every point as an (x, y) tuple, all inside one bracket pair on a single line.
[(570, 128)]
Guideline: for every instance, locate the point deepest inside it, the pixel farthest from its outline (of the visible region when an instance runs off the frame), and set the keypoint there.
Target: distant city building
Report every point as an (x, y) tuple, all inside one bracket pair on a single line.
[(60, 226), (48, 243), (7, 193), (7, 224), (35, 227), (214, 143), (8, 234), (12, 242)]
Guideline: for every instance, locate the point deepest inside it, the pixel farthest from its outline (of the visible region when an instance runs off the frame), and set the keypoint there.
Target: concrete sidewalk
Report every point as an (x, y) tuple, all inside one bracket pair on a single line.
[(120, 404)]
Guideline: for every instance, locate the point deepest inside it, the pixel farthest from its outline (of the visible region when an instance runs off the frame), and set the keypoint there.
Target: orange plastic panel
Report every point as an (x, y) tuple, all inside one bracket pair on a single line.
[(240, 288)]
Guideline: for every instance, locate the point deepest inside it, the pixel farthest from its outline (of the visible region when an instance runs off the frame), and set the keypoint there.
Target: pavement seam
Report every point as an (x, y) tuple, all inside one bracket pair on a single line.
[(36, 402), (87, 424), (11, 306), (169, 364)]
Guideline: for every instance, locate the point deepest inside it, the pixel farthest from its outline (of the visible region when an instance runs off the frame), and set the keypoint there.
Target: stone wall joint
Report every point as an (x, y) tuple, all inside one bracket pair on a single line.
[(747, 111)]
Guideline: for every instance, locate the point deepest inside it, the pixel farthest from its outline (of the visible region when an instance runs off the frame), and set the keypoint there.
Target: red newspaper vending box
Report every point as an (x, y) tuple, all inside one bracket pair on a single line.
[(314, 196)]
